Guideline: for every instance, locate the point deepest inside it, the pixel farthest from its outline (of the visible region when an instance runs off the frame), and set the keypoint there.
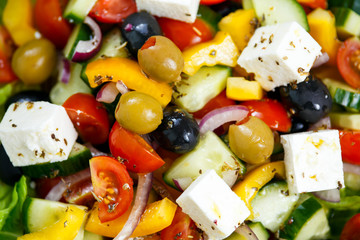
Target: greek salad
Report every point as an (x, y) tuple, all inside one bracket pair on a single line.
[(179, 119)]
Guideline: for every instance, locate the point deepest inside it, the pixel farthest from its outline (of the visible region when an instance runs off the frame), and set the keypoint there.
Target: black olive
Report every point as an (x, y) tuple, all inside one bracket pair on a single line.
[(137, 28), (8, 173), (178, 131), (309, 100), (298, 125), (29, 95)]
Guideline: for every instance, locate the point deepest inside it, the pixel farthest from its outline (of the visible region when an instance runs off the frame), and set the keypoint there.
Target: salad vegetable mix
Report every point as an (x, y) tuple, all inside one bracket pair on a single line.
[(174, 119)]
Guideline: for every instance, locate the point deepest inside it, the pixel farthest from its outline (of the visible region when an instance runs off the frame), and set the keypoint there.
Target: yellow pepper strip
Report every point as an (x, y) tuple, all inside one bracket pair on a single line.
[(238, 88), (129, 72), (157, 216), (257, 178), (18, 19), (220, 50), (323, 30), (240, 25), (66, 228)]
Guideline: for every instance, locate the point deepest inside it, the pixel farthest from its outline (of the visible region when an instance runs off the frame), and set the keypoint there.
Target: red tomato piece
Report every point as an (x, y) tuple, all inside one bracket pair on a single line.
[(112, 185), (138, 155), (181, 228), (184, 34), (49, 21), (89, 117), (6, 49), (348, 61), (211, 2), (217, 102), (112, 11), (314, 3), (271, 112), (350, 145), (351, 229)]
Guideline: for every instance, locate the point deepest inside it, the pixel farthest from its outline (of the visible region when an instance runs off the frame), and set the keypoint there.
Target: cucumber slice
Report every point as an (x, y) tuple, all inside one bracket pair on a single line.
[(247, 4), (345, 120), (307, 221), (352, 4), (8, 236), (77, 10), (80, 32), (259, 230), (273, 205), (352, 181), (77, 160), (280, 11), (210, 153), (192, 93), (347, 22), (93, 236)]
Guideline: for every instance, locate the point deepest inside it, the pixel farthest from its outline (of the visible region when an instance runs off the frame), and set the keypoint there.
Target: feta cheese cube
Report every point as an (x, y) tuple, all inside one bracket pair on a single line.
[(313, 161), (183, 10), (213, 206), (280, 54), (36, 132)]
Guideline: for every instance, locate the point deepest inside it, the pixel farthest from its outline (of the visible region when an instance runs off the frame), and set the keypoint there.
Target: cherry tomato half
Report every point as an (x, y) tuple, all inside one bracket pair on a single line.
[(351, 229), (350, 145), (271, 112), (211, 2), (348, 61), (89, 117), (138, 155), (112, 11), (49, 21), (314, 3), (6, 49), (112, 185), (185, 34)]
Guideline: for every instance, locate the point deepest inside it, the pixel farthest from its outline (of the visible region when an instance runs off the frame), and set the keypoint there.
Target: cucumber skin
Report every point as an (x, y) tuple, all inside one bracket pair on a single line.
[(352, 4)]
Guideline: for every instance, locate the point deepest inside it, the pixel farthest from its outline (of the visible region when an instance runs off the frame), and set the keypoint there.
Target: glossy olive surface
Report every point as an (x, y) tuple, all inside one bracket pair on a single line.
[(137, 28), (178, 131), (29, 95), (252, 141), (161, 59), (309, 100), (138, 112), (34, 61), (8, 173)]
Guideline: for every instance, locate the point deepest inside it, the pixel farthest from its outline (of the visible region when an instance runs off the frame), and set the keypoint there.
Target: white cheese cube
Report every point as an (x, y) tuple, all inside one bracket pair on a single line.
[(36, 132), (280, 54), (182, 10), (313, 161), (213, 206)]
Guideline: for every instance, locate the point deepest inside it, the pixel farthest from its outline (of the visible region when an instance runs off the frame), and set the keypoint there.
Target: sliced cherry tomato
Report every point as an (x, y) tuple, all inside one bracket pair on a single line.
[(211, 2), (217, 102), (185, 34), (314, 3), (6, 50), (138, 155), (112, 185), (89, 117), (49, 21), (350, 145), (348, 61), (112, 11), (181, 228), (271, 112), (351, 230)]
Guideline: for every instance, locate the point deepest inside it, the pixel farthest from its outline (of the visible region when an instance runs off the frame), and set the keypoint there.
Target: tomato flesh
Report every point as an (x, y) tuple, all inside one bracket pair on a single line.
[(348, 61), (351, 229), (6, 48), (314, 3), (112, 186), (350, 145), (112, 11), (211, 2)]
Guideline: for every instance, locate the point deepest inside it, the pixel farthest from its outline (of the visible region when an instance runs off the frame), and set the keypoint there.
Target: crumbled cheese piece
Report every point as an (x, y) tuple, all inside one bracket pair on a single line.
[(280, 54), (313, 161)]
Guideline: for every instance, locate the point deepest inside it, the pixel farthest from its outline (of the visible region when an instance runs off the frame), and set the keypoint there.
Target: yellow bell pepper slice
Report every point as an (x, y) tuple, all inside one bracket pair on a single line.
[(238, 88), (157, 216), (66, 228), (220, 50), (18, 19), (129, 72), (257, 178), (241, 25)]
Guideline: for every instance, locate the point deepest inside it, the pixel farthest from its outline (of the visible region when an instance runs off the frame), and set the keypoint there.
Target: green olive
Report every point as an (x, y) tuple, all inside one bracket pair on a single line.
[(34, 61), (252, 141), (138, 112), (161, 59)]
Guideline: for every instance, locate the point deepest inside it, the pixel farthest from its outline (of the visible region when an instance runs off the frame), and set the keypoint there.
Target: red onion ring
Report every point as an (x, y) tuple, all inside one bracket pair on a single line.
[(107, 93), (142, 196), (322, 59), (324, 123), (182, 183), (161, 190), (122, 87), (219, 116), (245, 231), (64, 75), (351, 168), (87, 49), (55, 194), (332, 195)]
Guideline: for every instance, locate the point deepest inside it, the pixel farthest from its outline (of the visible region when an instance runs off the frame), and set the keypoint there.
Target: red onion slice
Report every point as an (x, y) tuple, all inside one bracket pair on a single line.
[(245, 231), (332, 195), (55, 194), (219, 116), (182, 183), (64, 71), (142, 196), (87, 49), (323, 123), (122, 87), (322, 59), (107, 93), (351, 168)]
